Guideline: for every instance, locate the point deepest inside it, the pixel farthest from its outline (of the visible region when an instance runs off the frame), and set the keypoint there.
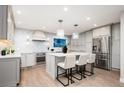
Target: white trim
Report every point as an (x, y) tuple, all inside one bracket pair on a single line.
[(121, 80)]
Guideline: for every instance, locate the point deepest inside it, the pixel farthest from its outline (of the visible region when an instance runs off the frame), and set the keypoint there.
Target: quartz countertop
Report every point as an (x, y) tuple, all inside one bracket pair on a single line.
[(65, 54), (10, 56)]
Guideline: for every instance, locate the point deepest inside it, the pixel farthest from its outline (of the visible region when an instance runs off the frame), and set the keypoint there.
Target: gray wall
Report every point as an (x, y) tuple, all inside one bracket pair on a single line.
[(122, 47), (116, 46), (84, 43), (3, 22), (89, 36)]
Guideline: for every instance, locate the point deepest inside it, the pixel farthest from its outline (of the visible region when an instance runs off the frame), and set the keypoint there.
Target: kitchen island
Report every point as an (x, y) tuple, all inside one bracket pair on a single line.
[(9, 70), (52, 59)]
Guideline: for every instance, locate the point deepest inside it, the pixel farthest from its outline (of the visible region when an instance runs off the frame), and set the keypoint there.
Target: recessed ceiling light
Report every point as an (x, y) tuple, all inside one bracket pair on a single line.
[(88, 18), (19, 22), (95, 25), (43, 27), (19, 12), (65, 9)]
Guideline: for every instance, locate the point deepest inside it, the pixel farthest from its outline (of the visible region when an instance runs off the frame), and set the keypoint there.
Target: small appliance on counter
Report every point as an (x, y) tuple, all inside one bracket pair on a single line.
[(64, 49)]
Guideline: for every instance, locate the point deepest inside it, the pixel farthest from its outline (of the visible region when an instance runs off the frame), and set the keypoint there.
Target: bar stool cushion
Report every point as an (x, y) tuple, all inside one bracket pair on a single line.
[(61, 64), (82, 60), (68, 63)]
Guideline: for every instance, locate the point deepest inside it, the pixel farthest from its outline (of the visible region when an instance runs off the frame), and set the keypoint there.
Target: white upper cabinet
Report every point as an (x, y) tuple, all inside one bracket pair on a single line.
[(104, 31), (3, 21)]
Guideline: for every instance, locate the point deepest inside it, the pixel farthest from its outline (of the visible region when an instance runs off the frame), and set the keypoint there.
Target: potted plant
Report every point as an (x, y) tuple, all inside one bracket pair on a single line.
[(64, 50), (12, 50), (3, 52)]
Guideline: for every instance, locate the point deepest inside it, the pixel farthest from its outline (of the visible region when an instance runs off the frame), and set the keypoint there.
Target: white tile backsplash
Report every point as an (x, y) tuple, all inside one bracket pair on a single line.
[(26, 45)]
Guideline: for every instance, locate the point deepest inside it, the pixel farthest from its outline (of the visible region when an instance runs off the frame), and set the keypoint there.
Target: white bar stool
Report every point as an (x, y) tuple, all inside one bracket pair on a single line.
[(81, 64), (67, 65), (91, 61)]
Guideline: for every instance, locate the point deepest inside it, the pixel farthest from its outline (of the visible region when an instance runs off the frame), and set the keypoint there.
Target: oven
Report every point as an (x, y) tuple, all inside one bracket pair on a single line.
[(40, 57)]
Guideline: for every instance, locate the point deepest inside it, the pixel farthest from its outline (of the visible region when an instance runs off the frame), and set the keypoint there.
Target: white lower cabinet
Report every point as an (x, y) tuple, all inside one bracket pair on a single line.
[(9, 72), (28, 59)]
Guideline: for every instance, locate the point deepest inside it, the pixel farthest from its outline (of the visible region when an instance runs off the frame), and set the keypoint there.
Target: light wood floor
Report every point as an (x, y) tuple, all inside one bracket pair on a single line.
[(37, 77)]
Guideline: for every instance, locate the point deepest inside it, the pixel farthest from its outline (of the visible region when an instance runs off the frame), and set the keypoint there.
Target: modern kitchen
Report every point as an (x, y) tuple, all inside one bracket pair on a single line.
[(56, 46)]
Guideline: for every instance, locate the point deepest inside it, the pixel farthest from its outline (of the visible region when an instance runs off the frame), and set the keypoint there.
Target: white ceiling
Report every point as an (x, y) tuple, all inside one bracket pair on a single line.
[(36, 17)]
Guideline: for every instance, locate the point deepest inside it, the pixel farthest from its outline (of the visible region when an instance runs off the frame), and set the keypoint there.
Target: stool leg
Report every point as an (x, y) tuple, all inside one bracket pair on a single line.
[(91, 72), (57, 71), (66, 72), (81, 71), (60, 80), (76, 68), (92, 68), (81, 74), (71, 75), (68, 76)]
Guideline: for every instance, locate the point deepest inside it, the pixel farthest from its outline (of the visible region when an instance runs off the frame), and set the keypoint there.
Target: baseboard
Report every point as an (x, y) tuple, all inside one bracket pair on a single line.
[(116, 69), (121, 80)]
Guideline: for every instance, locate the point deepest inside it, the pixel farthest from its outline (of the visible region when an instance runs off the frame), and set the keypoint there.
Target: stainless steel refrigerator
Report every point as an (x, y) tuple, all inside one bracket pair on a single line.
[(102, 49)]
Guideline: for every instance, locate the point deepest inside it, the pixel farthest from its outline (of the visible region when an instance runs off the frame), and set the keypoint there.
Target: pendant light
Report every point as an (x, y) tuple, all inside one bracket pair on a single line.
[(75, 35), (60, 31)]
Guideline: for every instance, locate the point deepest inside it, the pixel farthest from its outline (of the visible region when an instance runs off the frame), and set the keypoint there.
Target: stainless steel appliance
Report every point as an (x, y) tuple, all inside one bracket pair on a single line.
[(40, 57), (101, 47)]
